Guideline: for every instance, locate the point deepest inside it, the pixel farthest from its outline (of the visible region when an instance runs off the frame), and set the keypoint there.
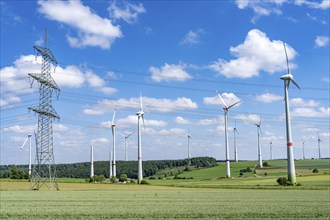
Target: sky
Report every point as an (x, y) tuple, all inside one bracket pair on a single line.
[(176, 55)]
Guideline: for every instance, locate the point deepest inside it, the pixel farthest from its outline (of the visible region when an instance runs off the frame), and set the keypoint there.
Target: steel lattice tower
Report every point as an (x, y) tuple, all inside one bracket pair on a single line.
[(44, 170)]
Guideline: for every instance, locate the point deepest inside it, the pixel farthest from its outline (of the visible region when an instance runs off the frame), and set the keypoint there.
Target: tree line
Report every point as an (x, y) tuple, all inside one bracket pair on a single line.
[(130, 168)]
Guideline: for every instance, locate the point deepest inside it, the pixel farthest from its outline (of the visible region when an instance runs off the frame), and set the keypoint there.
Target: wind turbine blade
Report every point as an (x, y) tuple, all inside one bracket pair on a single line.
[(294, 82), (130, 134), (223, 102), (287, 60), (260, 131), (21, 148), (141, 105), (113, 117), (144, 126), (234, 104), (236, 130)]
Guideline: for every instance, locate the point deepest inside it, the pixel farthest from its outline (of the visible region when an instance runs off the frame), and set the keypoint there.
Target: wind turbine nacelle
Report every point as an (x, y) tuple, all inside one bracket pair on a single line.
[(286, 77)]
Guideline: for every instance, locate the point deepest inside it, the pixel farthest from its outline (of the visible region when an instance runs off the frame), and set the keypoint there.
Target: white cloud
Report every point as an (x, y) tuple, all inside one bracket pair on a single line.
[(100, 141), (299, 102), (92, 29), (192, 37), (133, 120), (169, 72), (268, 98), (98, 83), (180, 120), (9, 100), (326, 79), (20, 129), (127, 11), (322, 41), (311, 112), (150, 104), (208, 121), (229, 99), (60, 127), (248, 118), (324, 4), (173, 132), (257, 53), (260, 7)]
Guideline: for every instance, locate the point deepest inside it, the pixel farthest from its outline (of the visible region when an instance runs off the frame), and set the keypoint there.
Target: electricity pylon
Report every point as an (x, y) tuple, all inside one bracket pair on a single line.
[(44, 170)]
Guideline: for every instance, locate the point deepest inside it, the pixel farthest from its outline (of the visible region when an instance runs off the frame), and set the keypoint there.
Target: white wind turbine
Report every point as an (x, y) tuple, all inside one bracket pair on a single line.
[(92, 161), (235, 142), (126, 143), (303, 144), (110, 164), (140, 115), (188, 137), (225, 109), (318, 143), (271, 149), (30, 152), (287, 78), (113, 125), (259, 147)]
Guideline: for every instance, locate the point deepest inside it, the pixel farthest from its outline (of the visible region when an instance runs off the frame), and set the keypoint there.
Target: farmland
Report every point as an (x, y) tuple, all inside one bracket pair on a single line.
[(203, 194)]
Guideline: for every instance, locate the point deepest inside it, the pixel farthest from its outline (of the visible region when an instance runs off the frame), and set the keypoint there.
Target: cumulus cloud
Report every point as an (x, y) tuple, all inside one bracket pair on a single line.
[(169, 72), (248, 118), (299, 102), (322, 41), (268, 98), (323, 4), (311, 112), (151, 104), (173, 132), (133, 120), (228, 98), (92, 30), (192, 37), (127, 11), (180, 120), (257, 53)]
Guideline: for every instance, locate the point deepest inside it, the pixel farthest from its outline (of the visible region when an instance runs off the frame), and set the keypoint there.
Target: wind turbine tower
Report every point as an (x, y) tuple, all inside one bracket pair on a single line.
[(30, 152), (287, 78), (319, 144), (188, 137), (226, 109), (113, 125), (140, 115), (110, 165), (235, 143), (259, 147), (44, 170), (271, 149), (303, 144), (126, 144), (92, 161)]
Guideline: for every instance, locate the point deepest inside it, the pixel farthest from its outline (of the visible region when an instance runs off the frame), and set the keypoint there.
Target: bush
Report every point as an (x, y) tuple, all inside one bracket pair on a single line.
[(112, 179), (265, 173), (265, 164), (152, 178), (144, 182), (122, 177), (133, 182), (282, 181), (315, 170), (241, 173)]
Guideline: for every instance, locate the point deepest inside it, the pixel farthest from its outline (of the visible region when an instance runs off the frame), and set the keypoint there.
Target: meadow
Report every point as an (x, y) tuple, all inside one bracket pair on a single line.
[(206, 196)]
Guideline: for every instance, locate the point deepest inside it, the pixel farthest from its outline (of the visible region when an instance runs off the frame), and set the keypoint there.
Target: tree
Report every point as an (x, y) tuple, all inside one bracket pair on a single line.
[(122, 177)]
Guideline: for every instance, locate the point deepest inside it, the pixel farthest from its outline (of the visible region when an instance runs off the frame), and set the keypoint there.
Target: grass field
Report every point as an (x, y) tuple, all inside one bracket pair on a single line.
[(207, 196), (150, 202)]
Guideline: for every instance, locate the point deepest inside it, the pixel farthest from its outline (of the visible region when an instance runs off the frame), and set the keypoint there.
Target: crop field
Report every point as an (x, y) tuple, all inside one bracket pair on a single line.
[(149, 202), (206, 196)]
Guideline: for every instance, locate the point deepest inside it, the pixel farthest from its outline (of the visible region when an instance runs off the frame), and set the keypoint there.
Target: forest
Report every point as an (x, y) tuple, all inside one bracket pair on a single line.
[(130, 168)]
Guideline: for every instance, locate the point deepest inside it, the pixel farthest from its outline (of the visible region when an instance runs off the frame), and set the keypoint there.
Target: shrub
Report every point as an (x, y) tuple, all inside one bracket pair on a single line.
[(298, 184), (315, 170), (144, 182), (282, 181), (133, 182), (265, 164), (265, 173), (122, 177), (112, 179), (241, 173), (152, 178)]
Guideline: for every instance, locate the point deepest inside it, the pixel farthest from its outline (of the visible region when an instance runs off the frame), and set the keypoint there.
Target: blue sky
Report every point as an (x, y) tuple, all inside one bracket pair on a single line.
[(176, 54)]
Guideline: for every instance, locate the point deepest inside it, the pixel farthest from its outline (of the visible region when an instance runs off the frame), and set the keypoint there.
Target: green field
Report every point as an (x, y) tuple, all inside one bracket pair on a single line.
[(207, 196)]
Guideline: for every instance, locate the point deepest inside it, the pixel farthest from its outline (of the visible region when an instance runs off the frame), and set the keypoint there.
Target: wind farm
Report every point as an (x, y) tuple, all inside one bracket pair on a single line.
[(164, 109)]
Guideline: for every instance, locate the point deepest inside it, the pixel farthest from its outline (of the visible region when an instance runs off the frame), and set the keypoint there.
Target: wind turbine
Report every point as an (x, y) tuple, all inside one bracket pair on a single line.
[(110, 165), (92, 161), (113, 125), (259, 147), (225, 109), (287, 78), (140, 115), (271, 149), (235, 143), (30, 152), (318, 142), (126, 144), (303, 144), (188, 137)]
